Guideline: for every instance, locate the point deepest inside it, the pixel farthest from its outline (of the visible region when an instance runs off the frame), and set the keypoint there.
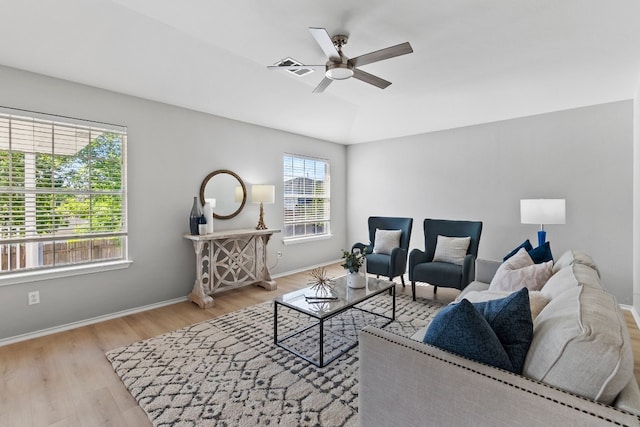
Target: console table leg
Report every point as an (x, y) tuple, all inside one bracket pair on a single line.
[(198, 296)]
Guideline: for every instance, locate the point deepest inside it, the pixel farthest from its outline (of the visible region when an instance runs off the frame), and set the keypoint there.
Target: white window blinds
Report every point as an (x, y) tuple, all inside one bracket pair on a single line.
[(62, 191), (307, 201)]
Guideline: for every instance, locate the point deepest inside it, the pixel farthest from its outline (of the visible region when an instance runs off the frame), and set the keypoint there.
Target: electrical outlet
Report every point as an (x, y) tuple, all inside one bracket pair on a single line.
[(279, 254), (34, 297)]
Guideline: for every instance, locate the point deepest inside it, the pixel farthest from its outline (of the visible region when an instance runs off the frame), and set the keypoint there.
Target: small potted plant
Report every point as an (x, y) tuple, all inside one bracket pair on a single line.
[(352, 262)]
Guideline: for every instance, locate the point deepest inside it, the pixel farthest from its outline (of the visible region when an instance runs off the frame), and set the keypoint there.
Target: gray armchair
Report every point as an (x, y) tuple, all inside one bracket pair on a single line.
[(395, 263), (422, 268)]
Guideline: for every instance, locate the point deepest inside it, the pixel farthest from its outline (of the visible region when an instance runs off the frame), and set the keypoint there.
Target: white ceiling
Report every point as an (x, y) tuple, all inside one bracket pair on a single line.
[(473, 61)]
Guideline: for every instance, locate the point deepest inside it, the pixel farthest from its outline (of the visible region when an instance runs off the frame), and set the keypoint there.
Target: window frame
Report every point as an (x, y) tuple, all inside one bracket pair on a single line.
[(116, 229), (324, 217)]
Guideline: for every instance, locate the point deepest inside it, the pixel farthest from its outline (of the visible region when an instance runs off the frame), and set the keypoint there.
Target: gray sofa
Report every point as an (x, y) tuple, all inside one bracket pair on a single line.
[(578, 371)]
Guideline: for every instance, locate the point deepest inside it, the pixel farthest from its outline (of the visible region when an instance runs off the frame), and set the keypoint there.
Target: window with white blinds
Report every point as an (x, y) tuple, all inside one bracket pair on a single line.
[(62, 192), (307, 200)]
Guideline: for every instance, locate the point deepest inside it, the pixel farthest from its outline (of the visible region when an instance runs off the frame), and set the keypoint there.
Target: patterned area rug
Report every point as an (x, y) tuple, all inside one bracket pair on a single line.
[(228, 372)]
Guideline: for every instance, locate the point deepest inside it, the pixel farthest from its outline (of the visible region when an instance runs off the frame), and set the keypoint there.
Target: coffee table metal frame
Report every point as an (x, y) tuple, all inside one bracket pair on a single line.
[(348, 299)]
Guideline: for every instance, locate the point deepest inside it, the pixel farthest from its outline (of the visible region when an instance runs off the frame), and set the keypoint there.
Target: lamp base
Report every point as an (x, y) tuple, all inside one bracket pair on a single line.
[(261, 225), (542, 237)]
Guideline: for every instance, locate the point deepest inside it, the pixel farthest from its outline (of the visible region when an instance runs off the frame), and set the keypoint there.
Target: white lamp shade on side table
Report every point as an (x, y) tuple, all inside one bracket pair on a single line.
[(542, 211)]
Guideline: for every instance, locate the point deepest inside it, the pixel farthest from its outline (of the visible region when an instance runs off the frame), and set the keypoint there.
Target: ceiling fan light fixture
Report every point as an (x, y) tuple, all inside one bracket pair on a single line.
[(339, 71)]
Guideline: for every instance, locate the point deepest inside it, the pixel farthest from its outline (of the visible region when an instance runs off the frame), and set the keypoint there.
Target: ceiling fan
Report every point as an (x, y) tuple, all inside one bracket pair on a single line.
[(339, 67)]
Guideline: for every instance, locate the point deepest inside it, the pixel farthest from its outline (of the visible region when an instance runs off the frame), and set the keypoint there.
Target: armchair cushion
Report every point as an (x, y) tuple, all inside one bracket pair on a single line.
[(451, 249), (442, 273), (386, 241)]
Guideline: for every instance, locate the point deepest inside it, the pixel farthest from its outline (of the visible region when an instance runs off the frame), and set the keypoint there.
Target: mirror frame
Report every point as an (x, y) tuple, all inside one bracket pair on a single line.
[(244, 192)]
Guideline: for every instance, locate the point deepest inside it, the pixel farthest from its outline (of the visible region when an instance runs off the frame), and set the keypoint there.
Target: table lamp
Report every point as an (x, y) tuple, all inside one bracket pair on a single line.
[(542, 211), (262, 194)]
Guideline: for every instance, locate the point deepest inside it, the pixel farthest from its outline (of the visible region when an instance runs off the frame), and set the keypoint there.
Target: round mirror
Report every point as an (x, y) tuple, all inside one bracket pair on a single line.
[(228, 191)]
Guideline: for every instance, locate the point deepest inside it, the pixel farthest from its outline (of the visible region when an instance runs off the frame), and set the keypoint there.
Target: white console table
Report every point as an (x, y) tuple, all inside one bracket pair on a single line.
[(230, 259)]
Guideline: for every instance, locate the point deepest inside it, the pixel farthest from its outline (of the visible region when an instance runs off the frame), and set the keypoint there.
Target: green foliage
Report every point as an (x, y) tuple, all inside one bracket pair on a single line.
[(352, 260), (97, 169)]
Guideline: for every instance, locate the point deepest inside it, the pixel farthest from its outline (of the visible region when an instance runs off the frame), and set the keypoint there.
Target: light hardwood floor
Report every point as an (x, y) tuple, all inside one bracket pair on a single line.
[(64, 379)]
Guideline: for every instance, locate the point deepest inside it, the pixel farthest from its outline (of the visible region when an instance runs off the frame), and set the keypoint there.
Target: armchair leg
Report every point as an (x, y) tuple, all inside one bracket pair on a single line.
[(413, 289), (435, 289), (402, 280)]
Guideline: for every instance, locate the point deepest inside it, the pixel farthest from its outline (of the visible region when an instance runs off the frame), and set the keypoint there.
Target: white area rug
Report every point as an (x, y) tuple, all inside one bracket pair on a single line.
[(227, 371)]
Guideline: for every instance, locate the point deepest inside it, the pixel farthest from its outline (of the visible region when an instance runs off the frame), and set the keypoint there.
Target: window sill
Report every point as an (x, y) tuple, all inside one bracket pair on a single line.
[(54, 273), (295, 241)]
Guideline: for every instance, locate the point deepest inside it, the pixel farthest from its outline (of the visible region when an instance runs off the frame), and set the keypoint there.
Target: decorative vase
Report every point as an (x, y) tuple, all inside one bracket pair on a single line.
[(355, 280), (194, 217), (208, 215)]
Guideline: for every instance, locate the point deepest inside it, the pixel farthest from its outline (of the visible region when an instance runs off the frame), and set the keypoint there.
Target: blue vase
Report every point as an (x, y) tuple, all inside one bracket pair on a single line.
[(194, 217)]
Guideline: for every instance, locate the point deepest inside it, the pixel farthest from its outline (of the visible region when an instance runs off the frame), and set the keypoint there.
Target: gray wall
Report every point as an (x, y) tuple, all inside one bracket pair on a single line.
[(481, 172), (170, 151)]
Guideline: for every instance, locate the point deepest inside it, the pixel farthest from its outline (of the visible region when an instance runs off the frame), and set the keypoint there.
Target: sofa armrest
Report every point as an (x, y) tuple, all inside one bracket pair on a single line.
[(486, 269), (444, 389), (629, 398), (416, 256)]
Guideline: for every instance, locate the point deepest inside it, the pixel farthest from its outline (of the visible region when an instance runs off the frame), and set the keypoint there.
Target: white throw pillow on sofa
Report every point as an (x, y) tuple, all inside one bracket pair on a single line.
[(386, 241), (519, 272), (451, 249)]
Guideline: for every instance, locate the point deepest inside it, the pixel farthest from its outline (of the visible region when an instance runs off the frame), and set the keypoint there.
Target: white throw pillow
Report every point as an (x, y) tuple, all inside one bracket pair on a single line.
[(386, 241), (519, 272), (451, 249)]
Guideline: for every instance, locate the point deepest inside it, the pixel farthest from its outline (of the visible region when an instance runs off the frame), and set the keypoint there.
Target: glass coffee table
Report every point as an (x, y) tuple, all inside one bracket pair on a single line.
[(320, 332)]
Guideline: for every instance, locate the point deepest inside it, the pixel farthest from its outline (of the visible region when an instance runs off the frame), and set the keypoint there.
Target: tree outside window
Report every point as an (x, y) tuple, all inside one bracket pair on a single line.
[(62, 192)]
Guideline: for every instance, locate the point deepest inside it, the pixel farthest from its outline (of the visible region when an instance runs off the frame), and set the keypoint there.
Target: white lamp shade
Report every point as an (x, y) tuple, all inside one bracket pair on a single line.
[(542, 211), (238, 194), (263, 193)]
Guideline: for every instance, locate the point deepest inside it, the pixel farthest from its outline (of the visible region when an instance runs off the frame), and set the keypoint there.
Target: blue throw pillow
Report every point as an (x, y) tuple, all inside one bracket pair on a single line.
[(461, 329), (496, 332), (526, 245), (510, 319), (541, 254)]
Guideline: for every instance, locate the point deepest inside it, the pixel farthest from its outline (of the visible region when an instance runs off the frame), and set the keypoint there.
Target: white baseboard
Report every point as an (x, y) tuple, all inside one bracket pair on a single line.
[(633, 311), (300, 270), (74, 325)]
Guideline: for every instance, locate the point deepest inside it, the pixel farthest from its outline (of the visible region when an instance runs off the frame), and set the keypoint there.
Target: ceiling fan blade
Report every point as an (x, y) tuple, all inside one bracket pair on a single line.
[(323, 85), (296, 67), (379, 55), (323, 39), (370, 78)]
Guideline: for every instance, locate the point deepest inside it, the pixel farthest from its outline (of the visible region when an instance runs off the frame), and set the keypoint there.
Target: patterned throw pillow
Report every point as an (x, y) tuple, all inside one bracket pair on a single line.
[(541, 254), (538, 255), (496, 332), (386, 241), (526, 245), (461, 329), (451, 249)]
